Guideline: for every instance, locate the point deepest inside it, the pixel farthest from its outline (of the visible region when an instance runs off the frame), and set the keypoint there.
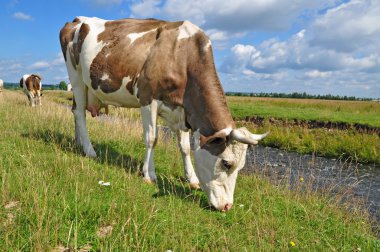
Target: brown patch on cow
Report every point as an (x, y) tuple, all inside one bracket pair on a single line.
[(21, 82), (77, 47), (33, 83), (216, 143), (66, 35), (204, 101), (119, 58)]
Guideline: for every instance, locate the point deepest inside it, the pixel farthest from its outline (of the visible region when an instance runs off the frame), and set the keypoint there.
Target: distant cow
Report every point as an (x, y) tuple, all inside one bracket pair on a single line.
[(32, 86), (166, 69), (1, 85)]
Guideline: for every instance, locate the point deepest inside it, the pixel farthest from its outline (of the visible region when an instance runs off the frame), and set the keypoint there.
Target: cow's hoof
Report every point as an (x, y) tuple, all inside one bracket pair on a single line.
[(194, 186), (149, 181)]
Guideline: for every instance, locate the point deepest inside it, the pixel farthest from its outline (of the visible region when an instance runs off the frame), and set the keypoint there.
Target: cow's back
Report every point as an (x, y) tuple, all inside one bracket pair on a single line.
[(110, 55)]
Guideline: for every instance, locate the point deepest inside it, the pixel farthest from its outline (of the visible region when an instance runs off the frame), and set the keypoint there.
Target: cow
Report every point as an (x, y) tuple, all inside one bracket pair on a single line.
[(1, 85), (32, 86), (166, 69)]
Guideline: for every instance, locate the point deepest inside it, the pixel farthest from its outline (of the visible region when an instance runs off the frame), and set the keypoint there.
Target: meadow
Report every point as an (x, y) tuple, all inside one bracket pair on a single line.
[(51, 198), (350, 143)]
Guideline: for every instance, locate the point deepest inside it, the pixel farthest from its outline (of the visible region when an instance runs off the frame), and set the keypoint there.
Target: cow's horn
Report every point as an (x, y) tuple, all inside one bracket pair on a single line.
[(237, 135)]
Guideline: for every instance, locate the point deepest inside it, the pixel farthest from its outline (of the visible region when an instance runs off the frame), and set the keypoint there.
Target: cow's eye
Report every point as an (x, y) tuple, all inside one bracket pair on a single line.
[(226, 165)]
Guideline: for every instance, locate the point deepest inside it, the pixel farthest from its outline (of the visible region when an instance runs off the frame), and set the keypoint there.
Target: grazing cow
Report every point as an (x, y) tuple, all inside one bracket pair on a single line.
[(32, 86), (166, 69), (1, 85)]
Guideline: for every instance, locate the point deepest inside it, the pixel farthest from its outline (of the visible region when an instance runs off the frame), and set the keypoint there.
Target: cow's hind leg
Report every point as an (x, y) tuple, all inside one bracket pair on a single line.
[(149, 118), (79, 110), (184, 145)]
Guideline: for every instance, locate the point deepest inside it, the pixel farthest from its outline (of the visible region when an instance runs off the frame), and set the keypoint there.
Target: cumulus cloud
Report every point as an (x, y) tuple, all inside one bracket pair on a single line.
[(232, 15), (22, 16), (39, 65), (338, 52), (145, 8), (349, 27)]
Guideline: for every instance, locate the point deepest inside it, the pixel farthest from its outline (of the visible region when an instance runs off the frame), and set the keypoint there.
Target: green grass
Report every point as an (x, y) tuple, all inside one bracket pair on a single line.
[(50, 197), (345, 144), (362, 112)]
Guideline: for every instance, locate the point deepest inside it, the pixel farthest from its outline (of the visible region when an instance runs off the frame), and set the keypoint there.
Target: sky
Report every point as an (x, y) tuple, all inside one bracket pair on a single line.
[(283, 46)]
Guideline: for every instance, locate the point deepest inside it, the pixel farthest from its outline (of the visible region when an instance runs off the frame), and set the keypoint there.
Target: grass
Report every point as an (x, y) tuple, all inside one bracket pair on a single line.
[(362, 112), (50, 198), (345, 144)]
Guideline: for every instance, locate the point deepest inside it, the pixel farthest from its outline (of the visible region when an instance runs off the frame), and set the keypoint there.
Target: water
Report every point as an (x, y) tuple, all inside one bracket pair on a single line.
[(358, 182)]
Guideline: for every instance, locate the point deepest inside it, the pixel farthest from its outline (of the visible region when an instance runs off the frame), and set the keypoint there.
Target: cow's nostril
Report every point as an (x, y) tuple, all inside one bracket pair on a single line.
[(227, 207)]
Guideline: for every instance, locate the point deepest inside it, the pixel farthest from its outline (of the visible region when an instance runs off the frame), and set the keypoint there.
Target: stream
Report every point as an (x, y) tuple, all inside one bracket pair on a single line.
[(355, 181)]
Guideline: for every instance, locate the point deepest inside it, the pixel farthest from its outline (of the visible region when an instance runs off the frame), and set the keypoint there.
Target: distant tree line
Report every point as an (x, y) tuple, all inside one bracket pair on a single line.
[(297, 95), (61, 86)]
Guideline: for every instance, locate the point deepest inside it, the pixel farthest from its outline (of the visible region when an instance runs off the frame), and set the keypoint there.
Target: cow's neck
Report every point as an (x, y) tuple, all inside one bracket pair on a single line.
[(205, 104)]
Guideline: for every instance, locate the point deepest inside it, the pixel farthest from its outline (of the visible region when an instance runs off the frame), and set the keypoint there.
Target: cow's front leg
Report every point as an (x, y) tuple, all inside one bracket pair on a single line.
[(184, 145), (79, 110), (149, 118)]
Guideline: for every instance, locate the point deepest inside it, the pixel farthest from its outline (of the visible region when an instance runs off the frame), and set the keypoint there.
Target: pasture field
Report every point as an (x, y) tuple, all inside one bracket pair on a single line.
[(345, 144), (50, 198), (362, 112)]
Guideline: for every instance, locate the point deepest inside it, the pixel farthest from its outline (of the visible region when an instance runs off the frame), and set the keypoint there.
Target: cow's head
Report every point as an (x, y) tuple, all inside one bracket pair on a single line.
[(218, 159)]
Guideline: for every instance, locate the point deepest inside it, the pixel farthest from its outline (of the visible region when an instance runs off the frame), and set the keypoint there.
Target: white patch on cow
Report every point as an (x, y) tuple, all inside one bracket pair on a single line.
[(134, 36), (119, 98), (174, 118), (91, 46), (105, 76), (207, 46), (187, 30)]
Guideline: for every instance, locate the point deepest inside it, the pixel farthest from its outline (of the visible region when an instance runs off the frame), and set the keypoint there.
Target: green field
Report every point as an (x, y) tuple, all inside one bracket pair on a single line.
[(349, 144), (50, 198), (362, 112)]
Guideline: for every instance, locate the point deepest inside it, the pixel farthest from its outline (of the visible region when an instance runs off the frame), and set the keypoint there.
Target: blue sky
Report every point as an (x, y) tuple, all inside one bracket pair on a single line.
[(318, 47)]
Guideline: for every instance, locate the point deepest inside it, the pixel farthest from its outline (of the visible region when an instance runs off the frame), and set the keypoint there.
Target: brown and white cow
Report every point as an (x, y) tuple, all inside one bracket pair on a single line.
[(32, 86), (166, 69), (1, 85)]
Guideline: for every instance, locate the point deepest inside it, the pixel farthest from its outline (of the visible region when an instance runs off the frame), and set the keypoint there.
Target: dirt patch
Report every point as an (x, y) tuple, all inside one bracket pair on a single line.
[(105, 231), (313, 124)]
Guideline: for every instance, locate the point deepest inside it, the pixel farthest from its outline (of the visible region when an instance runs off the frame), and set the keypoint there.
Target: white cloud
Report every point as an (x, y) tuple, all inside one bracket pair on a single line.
[(352, 26), (39, 65), (241, 15), (145, 8), (317, 74), (342, 47), (22, 16)]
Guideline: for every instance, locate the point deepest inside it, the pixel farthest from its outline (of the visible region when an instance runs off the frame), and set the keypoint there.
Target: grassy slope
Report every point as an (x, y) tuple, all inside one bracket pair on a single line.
[(58, 201)]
